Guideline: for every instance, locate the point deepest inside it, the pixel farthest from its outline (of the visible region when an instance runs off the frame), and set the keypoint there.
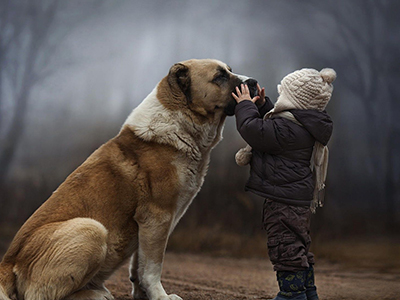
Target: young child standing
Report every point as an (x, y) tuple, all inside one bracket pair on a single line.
[(288, 156)]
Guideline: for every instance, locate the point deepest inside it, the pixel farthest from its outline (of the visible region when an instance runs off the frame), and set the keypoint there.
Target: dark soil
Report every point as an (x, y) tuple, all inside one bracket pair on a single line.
[(198, 277)]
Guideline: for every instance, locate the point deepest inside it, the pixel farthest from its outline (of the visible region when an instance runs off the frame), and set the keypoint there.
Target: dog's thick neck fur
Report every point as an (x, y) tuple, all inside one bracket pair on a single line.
[(152, 121)]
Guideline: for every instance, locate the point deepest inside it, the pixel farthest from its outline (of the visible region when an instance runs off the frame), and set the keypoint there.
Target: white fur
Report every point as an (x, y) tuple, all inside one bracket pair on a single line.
[(153, 122), (241, 77), (192, 172), (3, 295), (151, 279)]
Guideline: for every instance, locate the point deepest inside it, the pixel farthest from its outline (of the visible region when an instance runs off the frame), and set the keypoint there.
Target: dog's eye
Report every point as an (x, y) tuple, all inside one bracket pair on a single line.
[(220, 78)]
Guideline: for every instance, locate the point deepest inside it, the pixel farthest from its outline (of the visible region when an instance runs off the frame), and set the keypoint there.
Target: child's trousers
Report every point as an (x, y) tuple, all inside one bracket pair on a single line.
[(288, 230)]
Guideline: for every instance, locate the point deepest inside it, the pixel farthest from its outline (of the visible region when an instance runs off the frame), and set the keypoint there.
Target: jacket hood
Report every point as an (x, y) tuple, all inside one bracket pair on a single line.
[(318, 123)]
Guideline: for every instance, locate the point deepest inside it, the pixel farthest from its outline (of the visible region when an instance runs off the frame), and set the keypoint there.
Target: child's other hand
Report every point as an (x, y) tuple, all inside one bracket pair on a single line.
[(243, 94), (261, 92)]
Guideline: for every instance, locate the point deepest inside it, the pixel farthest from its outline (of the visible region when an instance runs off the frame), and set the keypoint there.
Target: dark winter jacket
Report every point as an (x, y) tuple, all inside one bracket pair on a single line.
[(280, 164)]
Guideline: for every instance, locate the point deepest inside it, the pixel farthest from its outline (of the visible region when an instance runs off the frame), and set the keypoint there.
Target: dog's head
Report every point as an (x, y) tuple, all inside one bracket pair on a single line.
[(206, 86), (252, 84)]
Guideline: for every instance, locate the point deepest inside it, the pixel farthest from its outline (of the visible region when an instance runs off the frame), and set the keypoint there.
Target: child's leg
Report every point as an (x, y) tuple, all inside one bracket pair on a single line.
[(311, 289), (288, 230)]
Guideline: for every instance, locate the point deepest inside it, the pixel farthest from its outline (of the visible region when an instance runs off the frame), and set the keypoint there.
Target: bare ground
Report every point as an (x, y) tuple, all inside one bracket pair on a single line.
[(200, 277)]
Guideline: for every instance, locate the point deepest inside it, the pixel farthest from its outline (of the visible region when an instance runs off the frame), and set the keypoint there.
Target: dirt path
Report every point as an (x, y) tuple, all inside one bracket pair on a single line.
[(196, 277)]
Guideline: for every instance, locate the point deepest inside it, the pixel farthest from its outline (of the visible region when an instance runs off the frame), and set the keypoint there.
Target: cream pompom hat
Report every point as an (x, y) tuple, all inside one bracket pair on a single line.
[(305, 89)]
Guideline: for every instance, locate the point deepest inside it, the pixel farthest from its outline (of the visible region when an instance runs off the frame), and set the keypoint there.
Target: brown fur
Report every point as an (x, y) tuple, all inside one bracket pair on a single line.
[(124, 194)]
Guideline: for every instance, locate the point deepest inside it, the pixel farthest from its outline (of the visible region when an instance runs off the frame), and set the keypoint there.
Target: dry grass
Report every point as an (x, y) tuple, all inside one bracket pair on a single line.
[(381, 254), (212, 241)]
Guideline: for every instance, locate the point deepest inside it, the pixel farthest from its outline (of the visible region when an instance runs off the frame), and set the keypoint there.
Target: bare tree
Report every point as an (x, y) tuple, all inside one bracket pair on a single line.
[(31, 34), (368, 42)]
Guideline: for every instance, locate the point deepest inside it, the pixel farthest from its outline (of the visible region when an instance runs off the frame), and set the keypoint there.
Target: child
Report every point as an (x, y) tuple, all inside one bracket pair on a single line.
[(288, 159)]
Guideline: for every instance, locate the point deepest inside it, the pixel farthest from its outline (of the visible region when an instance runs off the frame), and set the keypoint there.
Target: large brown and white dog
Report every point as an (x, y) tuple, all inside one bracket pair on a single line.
[(127, 197)]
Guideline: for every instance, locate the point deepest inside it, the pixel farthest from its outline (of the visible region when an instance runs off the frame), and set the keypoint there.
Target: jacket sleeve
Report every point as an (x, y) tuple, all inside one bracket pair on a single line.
[(260, 134), (266, 107)]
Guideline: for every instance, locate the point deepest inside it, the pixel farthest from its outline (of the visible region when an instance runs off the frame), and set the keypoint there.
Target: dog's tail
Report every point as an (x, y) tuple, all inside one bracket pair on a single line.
[(7, 281)]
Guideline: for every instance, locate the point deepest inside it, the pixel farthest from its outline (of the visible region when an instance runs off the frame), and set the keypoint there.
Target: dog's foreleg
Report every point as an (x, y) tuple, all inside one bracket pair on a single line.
[(137, 292), (153, 237)]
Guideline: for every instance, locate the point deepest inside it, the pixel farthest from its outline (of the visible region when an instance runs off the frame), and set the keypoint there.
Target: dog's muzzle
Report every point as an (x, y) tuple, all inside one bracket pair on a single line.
[(252, 84)]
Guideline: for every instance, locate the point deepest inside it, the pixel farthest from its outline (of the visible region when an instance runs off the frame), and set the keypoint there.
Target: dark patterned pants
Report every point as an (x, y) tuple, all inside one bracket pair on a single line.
[(288, 230)]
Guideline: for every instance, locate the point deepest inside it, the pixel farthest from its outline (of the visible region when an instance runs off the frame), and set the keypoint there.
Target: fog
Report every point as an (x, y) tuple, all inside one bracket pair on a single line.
[(72, 71)]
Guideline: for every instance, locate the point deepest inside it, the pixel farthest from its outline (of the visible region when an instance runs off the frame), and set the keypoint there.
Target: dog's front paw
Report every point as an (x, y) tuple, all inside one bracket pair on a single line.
[(173, 297), (166, 297), (139, 294)]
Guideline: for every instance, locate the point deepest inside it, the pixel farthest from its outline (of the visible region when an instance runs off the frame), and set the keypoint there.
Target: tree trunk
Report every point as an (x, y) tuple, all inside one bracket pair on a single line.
[(390, 189), (14, 135)]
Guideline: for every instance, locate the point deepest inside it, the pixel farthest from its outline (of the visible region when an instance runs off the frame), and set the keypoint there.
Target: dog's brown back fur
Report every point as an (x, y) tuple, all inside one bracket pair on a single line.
[(141, 172), (124, 196)]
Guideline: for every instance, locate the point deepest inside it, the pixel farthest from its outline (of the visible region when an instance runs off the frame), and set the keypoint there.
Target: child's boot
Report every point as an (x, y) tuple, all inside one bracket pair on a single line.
[(311, 289), (291, 285)]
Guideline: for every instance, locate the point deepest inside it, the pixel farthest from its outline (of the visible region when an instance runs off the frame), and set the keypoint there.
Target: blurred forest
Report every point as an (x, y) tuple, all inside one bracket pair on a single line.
[(72, 71)]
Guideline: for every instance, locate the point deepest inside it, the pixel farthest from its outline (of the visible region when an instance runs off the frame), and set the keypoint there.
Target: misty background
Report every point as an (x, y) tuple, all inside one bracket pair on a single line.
[(72, 71)]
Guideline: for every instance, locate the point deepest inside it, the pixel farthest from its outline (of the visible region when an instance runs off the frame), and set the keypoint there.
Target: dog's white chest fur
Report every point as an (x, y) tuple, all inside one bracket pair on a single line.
[(191, 178), (151, 121)]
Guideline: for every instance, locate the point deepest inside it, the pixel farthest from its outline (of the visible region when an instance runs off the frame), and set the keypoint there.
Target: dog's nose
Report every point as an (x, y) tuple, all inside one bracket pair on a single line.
[(252, 84)]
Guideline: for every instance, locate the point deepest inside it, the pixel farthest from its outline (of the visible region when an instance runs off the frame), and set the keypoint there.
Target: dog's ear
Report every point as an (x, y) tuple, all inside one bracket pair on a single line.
[(179, 80)]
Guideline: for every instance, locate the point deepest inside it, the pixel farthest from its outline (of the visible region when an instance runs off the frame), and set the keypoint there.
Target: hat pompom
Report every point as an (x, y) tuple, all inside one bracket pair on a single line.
[(243, 156), (328, 75)]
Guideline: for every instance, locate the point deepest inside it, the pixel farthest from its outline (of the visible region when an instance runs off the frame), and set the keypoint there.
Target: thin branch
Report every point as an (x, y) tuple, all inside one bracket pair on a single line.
[(27, 55)]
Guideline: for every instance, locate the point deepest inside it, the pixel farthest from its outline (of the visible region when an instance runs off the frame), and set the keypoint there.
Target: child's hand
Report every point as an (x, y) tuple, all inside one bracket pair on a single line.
[(261, 92), (243, 94)]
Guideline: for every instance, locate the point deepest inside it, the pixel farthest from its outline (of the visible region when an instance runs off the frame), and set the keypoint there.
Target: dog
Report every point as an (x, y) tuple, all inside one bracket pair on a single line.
[(127, 197)]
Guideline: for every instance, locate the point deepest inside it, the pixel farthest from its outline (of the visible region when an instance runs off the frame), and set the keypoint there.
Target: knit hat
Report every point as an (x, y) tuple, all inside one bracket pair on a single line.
[(305, 89)]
